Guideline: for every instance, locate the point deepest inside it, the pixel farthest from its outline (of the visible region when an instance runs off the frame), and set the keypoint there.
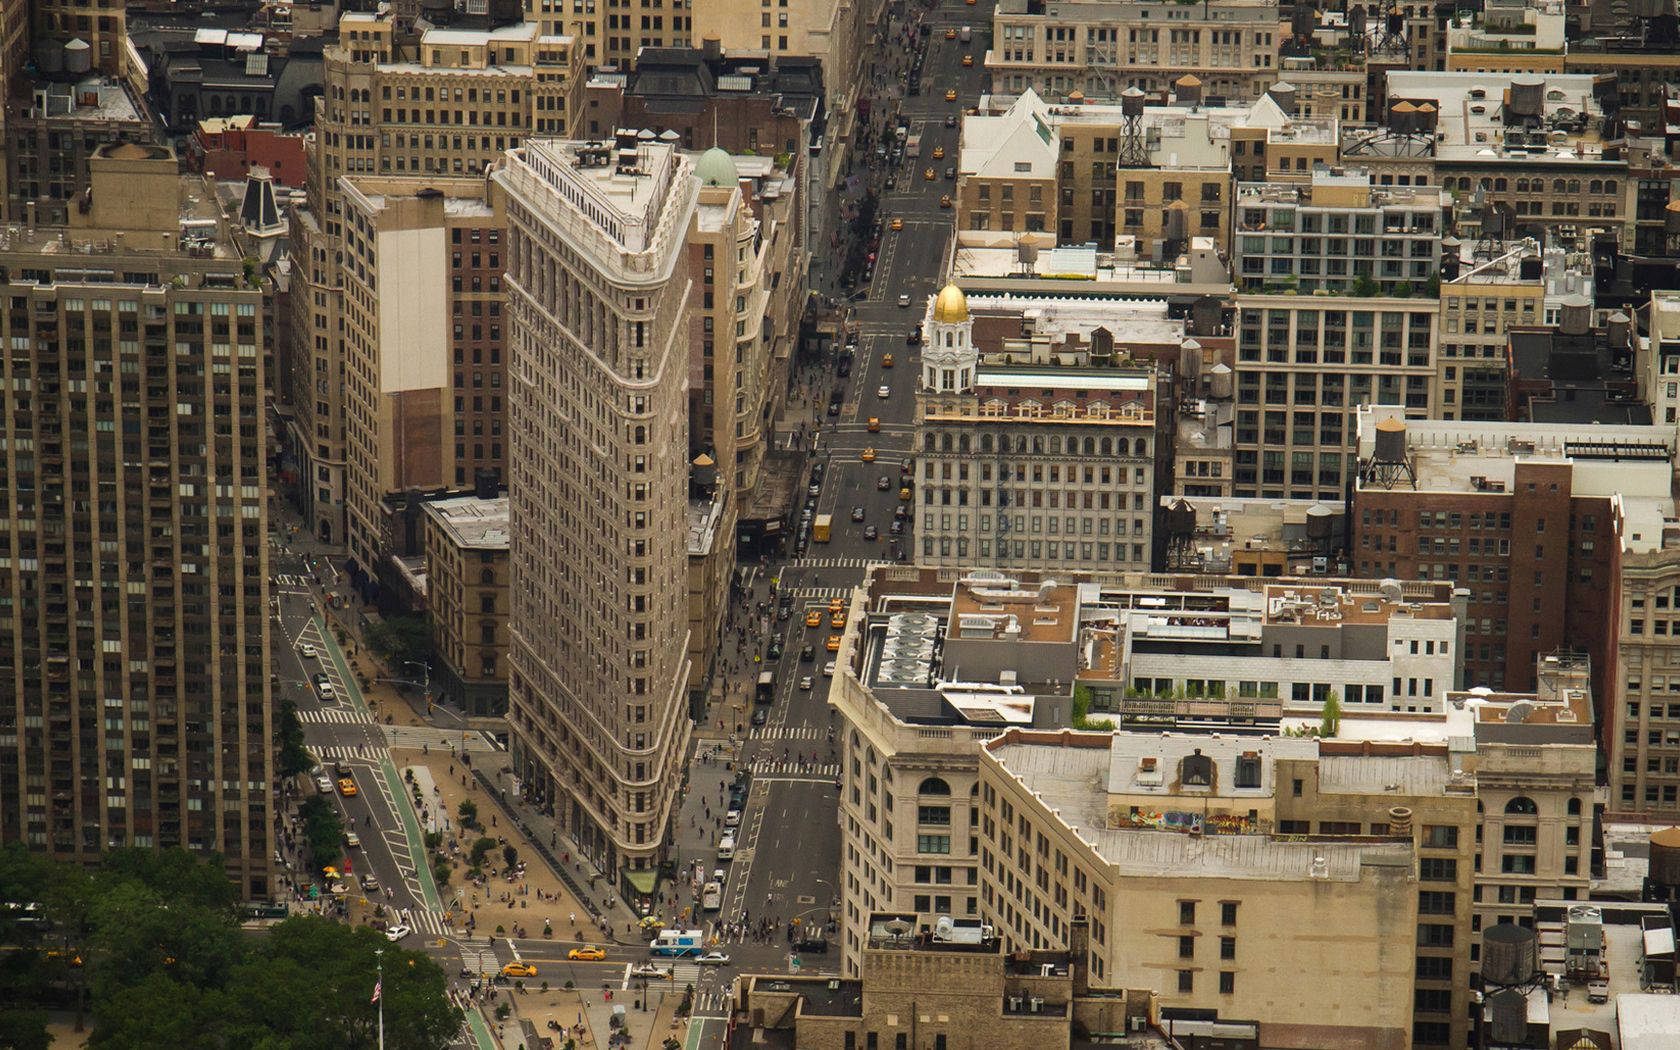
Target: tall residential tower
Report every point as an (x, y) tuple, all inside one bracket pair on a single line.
[(600, 329)]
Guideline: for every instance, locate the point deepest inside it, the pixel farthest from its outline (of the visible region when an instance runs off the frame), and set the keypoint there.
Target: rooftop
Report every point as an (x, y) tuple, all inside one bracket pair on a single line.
[(704, 516), (1069, 772), (1058, 320), (472, 523), (92, 98), (1471, 120)]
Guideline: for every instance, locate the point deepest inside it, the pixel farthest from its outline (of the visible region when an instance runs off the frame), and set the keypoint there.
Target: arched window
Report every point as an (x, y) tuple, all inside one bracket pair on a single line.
[(1107, 447), (1522, 805), (1090, 446), (1559, 186), (1574, 807), (1141, 447), (934, 786), (1595, 186), (985, 442), (962, 443)]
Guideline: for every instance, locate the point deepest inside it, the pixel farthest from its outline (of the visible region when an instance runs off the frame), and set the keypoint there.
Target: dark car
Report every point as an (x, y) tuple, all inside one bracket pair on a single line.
[(950, 173), (834, 405), (950, 120), (883, 483), (807, 654), (761, 716), (870, 532), (844, 368), (857, 513), (775, 650), (897, 528), (915, 336), (813, 944)]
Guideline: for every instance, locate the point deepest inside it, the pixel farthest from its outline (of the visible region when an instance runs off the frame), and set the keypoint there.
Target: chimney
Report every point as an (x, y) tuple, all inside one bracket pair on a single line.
[(1079, 952)]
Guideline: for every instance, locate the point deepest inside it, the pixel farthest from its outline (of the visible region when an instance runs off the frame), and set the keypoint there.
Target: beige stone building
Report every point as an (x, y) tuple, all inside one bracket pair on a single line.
[(467, 570), (1642, 742), (837, 33), (1175, 848), (1303, 364), (1481, 302), (134, 648), (1335, 231), (711, 563), (1098, 48), (424, 342), (447, 102), (946, 984), (602, 315)]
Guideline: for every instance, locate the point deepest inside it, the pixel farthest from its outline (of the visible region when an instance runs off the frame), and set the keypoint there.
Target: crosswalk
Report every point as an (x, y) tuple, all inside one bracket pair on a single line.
[(338, 715), (821, 593), (431, 923), (790, 733), (711, 1003), (478, 954), (343, 753), (290, 580), (831, 563), (777, 767)]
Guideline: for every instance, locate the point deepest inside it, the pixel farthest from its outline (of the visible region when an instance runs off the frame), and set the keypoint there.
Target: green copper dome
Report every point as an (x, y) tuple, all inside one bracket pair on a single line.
[(716, 168)]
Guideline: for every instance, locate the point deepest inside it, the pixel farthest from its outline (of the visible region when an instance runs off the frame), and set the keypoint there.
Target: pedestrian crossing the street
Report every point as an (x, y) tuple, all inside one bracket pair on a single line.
[(822, 593), (790, 733), (337, 753), (830, 563), (711, 1004), (338, 715), (479, 956)]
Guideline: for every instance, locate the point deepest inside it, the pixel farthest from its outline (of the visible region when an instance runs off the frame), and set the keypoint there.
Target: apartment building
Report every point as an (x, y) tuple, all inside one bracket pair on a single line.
[(1304, 365), (1338, 233), (1641, 735), (1039, 449), (930, 668), (446, 102), (1485, 294), (50, 142), (1175, 847), (1659, 384), (947, 981), (135, 646), (601, 306), (467, 571), (1098, 48), (1508, 36), (838, 35), (425, 344), (712, 520), (1533, 520), (1328, 82)]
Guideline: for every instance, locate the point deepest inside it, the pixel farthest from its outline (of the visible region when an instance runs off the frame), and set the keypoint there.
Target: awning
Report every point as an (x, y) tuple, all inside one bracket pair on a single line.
[(642, 881)]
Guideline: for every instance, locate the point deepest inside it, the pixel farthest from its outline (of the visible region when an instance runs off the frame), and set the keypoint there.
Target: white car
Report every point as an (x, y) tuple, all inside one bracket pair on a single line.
[(323, 785), (353, 840), (828, 669), (307, 651), (732, 818), (714, 959), (649, 970), (806, 683), (397, 933), (719, 875), (904, 300), (883, 391)]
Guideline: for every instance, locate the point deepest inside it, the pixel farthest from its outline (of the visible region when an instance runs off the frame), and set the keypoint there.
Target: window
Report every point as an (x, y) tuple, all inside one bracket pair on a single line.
[(1187, 947), (940, 815), (1438, 869), (1434, 935), (1436, 902), (933, 843), (1440, 836), (1227, 913), (1227, 947), (1248, 770), (1521, 805), (1186, 913), (1186, 981), (1227, 982), (934, 786)]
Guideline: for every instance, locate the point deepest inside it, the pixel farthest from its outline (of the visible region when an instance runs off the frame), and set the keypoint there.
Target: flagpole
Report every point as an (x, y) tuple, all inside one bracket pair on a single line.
[(379, 963)]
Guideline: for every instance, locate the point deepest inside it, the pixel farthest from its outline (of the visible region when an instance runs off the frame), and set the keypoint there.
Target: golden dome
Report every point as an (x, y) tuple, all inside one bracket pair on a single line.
[(951, 307)]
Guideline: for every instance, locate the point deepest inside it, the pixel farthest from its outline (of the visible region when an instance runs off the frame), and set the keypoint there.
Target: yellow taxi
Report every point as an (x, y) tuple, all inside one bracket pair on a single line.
[(587, 953), (897, 224), (347, 787), (886, 360), (950, 94), (521, 969), (928, 175), (904, 493), (813, 619), (874, 424), (939, 153), (837, 620), (951, 33), (945, 200), (836, 604), (833, 643), (868, 455), (968, 60)]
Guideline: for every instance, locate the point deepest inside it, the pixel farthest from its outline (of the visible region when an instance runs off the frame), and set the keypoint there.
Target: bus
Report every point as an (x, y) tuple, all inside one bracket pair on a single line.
[(678, 943), (766, 693), (711, 896), (823, 526)]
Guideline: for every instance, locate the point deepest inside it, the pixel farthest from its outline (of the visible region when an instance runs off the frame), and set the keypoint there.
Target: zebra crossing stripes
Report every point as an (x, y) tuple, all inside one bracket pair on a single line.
[(344, 753), (290, 580), (821, 593), (831, 563), (711, 1004), (338, 715), (824, 771), (479, 956), (790, 733)]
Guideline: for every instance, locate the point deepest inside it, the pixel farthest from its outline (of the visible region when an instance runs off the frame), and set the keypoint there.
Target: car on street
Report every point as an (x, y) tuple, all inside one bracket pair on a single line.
[(837, 620), (652, 922), (883, 391), (950, 173), (951, 33), (370, 884), (843, 368), (732, 818), (874, 426), (806, 682), (950, 120), (939, 153), (834, 405), (813, 618), (307, 651), (714, 959), (761, 716), (886, 360), (867, 455), (836, 604), (897, 527), (325, 785), (587, 953), (397, 933), (900, 512), (968, 60), (347, 787), (775, 650), (808, 654), (904, 492), (870, 532), (903, 300), (857, 513), (897, 224), (929, 175), (915, 337), (833, 643), (945, 200), (353, 840), (828, 669), (951, 95), (519, 969), (883, 483), (650, 970)]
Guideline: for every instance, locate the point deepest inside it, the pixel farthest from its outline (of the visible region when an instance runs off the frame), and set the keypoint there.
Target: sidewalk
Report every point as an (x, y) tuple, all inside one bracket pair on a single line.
[(585, 1014)]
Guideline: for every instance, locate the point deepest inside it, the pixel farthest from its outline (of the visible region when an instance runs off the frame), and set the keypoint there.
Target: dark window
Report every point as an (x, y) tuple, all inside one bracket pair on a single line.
[(1196, 770), (1248, 770), (1187, 947), (1227, 913), (1227, 982), (1186, 913), (1227, 947), (1186, 981)]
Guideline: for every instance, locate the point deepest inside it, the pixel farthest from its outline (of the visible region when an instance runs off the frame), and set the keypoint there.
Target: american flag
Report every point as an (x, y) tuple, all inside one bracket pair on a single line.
[(376, 986)]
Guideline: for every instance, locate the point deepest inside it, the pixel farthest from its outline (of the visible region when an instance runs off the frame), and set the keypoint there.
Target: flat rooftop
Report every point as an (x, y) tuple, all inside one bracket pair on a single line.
[(472, 523), (704, 516), (1058, 320), (1072, 781)]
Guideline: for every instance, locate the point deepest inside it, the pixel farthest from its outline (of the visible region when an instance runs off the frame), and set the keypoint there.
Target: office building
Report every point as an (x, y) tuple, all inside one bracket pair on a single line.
[(466, 564), (1198, 859), (135, 643), (929, 669), (1484, 297), (1337, 233), (1535, 521), (382, 114), (946, 983), (1037, 433), (1508, 36), (1097, 48), (601, 306), (1659, 380), (1304, 364)]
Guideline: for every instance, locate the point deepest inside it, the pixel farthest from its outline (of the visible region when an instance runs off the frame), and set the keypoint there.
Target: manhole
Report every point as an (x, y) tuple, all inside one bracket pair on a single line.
[(805, 900)]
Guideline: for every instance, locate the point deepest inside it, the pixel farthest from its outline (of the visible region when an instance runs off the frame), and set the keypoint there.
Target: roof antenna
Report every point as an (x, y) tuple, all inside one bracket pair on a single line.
[(715, 143)]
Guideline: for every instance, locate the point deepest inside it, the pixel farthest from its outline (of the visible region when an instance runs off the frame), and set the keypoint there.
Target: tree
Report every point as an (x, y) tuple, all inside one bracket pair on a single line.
[(1363, 286), (481, 849), (177, 876), (323, 831), (468, 812), (1403, 290), (1330, 719), (687, 1004), (399, 638), (510, 856), (293, 758)]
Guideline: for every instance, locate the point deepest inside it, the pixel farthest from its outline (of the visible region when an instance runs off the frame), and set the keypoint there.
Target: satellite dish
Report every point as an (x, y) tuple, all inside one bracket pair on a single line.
[(898, 929)]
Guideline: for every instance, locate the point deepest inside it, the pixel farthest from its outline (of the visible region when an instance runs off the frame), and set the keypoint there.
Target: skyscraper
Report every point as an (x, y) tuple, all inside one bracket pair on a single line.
[(600, 330), (134, 685)]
